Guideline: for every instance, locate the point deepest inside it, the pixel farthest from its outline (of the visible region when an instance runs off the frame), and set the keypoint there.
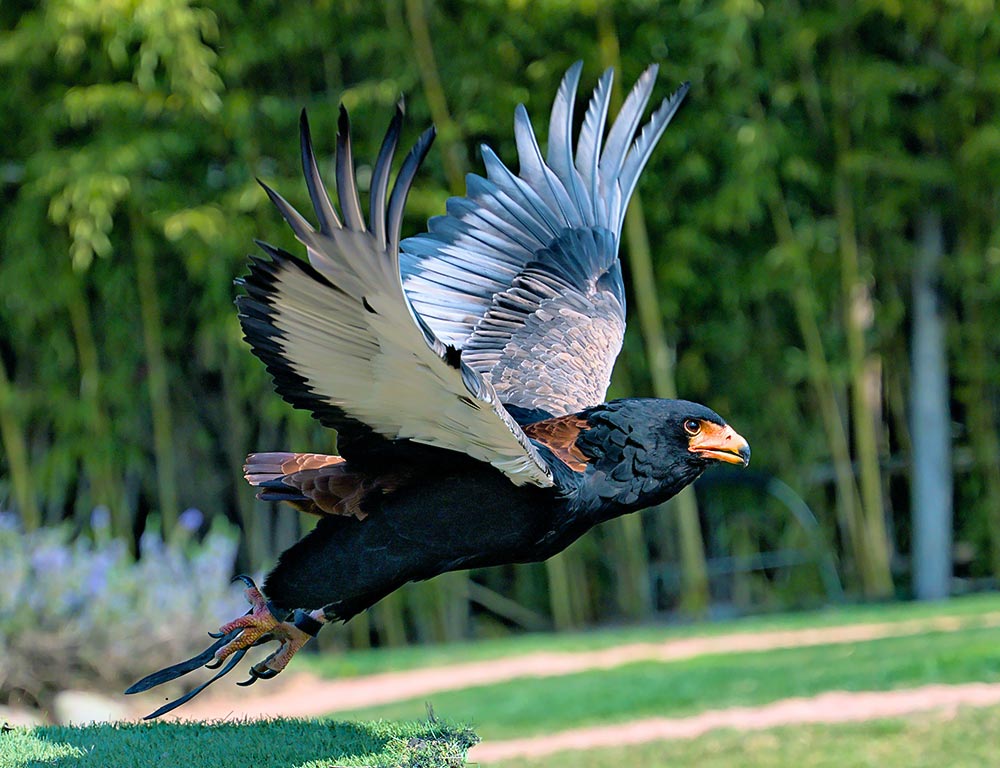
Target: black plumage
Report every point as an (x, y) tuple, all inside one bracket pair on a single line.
[(463, 369)]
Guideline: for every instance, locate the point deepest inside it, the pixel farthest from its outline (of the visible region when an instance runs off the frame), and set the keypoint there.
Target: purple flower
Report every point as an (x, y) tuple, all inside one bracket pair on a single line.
[(191, 519), (100, 518), (50, 559)]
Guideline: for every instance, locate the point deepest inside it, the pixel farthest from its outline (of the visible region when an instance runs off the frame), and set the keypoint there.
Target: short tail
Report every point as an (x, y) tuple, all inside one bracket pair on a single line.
[(312, 482), (319, 484), (261, 468)]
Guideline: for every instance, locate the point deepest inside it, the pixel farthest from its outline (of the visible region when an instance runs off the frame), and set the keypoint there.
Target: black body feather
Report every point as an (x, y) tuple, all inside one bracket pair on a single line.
[(458, 513)]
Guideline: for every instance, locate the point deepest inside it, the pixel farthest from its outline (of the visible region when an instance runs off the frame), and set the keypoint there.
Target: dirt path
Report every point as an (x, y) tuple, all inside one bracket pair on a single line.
[(833, 707), (306, 695)]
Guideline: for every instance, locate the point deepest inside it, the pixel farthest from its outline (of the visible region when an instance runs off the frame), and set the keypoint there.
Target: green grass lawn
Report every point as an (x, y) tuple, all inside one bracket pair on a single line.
[(542, 705), (271, 744), (399, 735), (374, 661), (969, 740)]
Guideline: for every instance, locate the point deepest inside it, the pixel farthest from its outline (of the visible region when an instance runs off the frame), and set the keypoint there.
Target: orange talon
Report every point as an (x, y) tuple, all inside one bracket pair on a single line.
[(261, 625), (254, 625)]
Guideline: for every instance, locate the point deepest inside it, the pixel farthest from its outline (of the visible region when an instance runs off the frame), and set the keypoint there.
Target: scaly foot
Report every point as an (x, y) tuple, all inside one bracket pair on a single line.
[(262, 625)]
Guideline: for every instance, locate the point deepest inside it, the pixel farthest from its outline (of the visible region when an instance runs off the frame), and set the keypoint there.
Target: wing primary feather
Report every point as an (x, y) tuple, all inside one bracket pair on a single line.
[(325, 212), (643, 146), (347, 188), (588, 146), (397, 200), (559, 153), (623, 129), (544, 224), (537, 174), (303, 229), (380, 176)]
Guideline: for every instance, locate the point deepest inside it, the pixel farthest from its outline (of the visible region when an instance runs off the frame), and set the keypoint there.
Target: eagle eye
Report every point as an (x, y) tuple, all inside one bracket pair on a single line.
[(692, 426)]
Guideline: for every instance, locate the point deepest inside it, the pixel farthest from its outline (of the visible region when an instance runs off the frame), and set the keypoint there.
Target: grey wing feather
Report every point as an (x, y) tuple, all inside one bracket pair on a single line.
[(522, 274)]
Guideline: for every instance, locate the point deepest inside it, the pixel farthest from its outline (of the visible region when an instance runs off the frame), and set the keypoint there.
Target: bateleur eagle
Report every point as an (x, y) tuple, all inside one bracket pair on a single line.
[(463, 369)]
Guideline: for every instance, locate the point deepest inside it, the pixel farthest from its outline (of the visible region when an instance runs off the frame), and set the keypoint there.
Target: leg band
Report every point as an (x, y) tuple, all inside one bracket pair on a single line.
[(307, 623)]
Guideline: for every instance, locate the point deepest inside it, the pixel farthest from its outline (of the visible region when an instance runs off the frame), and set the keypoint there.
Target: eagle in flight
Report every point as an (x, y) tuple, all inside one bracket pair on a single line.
[(464, 370)]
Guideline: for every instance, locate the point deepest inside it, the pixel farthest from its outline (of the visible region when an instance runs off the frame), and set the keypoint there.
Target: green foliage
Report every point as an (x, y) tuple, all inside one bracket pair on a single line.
[(134, 132), (265, 744)]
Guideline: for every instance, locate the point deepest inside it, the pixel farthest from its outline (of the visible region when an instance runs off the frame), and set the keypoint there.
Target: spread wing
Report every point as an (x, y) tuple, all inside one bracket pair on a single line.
[(522, 274), (339, 336)]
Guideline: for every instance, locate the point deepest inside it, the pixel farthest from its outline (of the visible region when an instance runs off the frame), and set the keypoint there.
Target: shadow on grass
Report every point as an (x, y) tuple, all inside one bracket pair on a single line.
[(261, 744)]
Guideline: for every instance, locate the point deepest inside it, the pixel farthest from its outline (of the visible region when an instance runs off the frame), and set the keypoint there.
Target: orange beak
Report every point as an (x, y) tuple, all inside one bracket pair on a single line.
[(721, 443)]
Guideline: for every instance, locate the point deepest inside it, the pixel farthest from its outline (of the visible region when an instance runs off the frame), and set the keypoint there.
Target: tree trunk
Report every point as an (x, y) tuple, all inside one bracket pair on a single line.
[(931, 470)]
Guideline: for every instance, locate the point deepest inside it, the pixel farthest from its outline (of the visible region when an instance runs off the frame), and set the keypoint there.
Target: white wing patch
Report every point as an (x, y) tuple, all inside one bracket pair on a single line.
[(340, 336)]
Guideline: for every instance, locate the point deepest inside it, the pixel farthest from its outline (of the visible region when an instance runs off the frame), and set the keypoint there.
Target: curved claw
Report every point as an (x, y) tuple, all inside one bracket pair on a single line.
[(214, 664), (262, 671), (249, 681), (245, 579)]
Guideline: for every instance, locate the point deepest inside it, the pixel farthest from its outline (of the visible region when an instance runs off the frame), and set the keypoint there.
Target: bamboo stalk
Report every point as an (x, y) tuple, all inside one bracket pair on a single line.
[(159, 391), (977, 386), (560, 600), (99, 459), (857, 319), (235, 442), (16, 449), (694, 585), (804, 303), (448, 133), (389, 621), (821, 379)]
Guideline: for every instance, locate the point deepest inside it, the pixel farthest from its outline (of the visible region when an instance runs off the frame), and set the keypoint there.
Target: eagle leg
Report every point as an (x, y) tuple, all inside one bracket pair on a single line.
[(263, 624)]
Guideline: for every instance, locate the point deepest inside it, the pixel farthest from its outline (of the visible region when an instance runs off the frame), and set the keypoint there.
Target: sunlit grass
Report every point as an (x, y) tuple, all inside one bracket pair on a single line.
[(542, 705), (971, 739), (268, 744), (375, 661)]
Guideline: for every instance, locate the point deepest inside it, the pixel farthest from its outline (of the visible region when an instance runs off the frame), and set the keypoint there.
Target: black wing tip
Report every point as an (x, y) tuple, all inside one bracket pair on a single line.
[(278, 255), (305, 136), (343, 122), (273, 196), (423, 144)]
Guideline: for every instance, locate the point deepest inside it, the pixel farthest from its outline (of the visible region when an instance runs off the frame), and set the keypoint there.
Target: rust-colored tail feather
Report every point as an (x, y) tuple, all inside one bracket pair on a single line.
[(264, 467), (314, 482)]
